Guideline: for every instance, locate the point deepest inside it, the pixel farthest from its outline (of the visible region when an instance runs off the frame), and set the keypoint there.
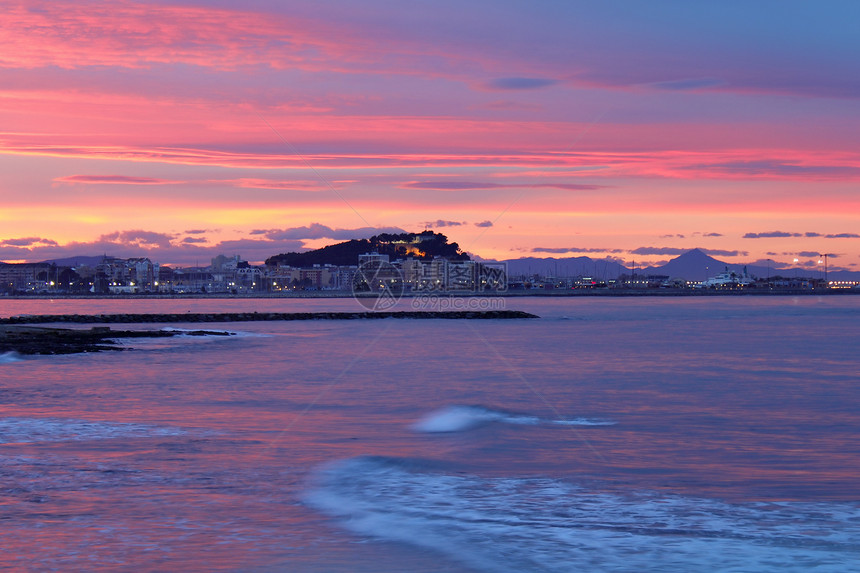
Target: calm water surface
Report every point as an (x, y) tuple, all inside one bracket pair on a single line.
[(609, 435)]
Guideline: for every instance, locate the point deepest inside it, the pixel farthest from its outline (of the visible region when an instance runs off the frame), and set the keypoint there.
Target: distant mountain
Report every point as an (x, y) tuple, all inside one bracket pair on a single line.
[(76, 261), (425, 246), (564, 267), (693, 265), (696, 265)]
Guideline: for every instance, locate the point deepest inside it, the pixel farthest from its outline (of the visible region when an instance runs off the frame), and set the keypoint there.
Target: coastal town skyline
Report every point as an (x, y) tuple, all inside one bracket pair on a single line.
[(179, 131), (802, 261), (415, 263)]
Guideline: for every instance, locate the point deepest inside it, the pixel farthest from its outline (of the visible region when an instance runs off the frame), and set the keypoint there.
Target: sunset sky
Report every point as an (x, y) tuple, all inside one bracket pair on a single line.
[(632, 130)]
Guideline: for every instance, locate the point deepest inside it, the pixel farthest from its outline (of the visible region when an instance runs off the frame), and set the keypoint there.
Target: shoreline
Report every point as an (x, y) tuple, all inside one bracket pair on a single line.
[(506, 294)]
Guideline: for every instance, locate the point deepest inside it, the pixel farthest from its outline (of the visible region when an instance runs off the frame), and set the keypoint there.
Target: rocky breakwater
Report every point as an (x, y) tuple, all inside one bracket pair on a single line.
[(42, 340), (256, 316), (17, 334)]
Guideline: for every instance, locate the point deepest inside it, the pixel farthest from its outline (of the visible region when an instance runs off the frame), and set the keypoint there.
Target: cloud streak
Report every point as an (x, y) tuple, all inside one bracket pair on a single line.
[(136, 35), (681, 251), (561, 250), (810, 234), (482, 185), (439, 223), (114, 180), (504, 84), (318, 231)]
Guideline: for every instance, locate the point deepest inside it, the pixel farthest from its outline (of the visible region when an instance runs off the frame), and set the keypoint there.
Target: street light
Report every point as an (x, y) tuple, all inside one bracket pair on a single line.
[(825, 255)]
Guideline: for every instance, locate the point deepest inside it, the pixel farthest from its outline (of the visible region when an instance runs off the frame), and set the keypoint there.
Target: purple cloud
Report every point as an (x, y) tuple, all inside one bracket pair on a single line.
[(779, 168), (157, 246), (139, 238), (440, 223), (688, 84), (723, 253), (519, 83), (574, 250), (27, 242), (770, 235), (782, 234), (451, 185), (814, 254), (487, 223), (318, 231), (681, 251), (658, 251)]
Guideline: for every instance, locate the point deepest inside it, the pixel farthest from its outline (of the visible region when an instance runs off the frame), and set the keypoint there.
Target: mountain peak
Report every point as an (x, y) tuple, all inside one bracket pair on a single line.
[(694, 264)]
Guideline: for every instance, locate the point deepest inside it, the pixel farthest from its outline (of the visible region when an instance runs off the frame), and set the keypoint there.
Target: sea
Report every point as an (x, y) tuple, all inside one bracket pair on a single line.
[(610, 434)]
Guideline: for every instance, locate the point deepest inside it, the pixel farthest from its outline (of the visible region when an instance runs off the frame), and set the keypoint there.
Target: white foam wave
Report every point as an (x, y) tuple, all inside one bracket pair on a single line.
[(191, 331), (458, 418), (10, 357), (515, 524), (28, 430)]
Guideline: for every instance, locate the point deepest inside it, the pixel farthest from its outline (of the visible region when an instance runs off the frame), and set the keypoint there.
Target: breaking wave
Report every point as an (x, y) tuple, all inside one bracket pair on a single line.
[(9, 357), (459, 418), (542, 524)]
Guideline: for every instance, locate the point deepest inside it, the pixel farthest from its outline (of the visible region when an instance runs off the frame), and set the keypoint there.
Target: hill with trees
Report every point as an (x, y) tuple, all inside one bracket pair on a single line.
[(424, 246)]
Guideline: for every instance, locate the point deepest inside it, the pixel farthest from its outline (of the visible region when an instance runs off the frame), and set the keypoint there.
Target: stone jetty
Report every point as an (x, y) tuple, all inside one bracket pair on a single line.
[(17, 334), (42, 340), (256, 316)]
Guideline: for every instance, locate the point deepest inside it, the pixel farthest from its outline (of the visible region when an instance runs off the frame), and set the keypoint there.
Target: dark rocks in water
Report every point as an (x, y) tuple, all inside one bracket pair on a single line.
[(39, 340)]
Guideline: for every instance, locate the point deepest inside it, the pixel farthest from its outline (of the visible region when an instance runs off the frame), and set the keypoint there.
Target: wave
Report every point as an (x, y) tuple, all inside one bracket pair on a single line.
[(458, 418), (542, 524), (29, 430), (9, 357), (185, 333)]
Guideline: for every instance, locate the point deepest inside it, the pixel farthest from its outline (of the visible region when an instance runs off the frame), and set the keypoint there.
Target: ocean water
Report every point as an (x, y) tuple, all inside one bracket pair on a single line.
[(650, 434)]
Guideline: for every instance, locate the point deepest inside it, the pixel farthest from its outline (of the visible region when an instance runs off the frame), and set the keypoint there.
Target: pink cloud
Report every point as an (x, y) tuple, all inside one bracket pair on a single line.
[(480, 185), (134, 35), (114, 180), (257, 183)]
